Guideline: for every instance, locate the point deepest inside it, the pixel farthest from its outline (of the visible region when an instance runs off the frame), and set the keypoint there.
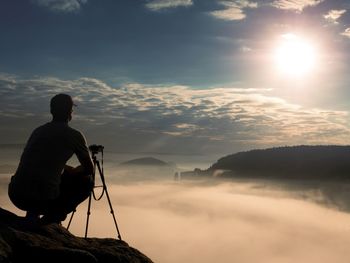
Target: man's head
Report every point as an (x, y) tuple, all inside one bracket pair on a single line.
[(61, 107)]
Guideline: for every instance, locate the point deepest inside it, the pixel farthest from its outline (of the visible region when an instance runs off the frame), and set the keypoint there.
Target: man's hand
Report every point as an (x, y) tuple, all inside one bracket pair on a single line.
[(79, 169), (69, 168), (74, 170)]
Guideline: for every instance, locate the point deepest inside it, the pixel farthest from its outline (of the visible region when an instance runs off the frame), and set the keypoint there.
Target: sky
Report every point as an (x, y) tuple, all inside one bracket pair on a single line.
[(181, 77), (189, 81)]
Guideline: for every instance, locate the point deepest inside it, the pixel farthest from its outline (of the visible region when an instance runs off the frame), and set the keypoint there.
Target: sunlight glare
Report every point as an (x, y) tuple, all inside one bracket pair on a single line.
[(295, 56)]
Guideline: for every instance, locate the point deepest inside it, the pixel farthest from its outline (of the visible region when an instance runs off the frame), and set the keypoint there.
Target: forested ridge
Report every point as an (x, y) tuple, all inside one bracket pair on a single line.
[(319, 160)]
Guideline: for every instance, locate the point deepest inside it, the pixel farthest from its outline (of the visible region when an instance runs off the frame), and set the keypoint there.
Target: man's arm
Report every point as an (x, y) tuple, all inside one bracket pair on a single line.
[(84, 157), (86, 164), (81, 170), (86, 168)]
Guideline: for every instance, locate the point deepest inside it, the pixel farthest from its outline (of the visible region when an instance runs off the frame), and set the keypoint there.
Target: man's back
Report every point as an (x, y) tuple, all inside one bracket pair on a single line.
[(48, 149)]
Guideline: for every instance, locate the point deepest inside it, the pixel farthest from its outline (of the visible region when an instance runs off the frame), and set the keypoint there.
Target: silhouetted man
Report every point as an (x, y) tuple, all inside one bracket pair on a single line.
[(43, 184)]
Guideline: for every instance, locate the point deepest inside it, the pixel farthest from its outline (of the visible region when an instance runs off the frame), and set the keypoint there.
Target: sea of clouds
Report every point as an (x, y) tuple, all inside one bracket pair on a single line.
[(219, 220)]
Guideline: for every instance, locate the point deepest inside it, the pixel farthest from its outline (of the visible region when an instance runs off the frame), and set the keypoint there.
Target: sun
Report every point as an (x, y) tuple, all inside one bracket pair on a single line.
[(295, 56)]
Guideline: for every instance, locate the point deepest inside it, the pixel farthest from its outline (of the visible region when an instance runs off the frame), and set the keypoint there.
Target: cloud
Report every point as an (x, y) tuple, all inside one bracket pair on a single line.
[(295, 5), (65, 6), (157, 5), (346, 33), (138, 117), (234, 9), (227, 222), (333, 15)]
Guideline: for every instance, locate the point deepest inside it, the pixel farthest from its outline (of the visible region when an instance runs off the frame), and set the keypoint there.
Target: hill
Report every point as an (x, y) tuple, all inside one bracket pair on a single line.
[(147, 168), (294, 161), (145, 161)]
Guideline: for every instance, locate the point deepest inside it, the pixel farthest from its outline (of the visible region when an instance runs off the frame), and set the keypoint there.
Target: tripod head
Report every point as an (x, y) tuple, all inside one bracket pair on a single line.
[(98, 167), (95, 149)]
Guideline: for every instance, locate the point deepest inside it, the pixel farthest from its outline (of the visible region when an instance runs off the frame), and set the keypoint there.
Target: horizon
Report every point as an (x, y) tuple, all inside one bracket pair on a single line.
[(12, 154)]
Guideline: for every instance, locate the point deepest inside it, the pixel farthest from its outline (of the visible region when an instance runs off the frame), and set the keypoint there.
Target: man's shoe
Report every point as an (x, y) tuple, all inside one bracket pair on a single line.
[(46, 220), (32, 217), (31, 221)]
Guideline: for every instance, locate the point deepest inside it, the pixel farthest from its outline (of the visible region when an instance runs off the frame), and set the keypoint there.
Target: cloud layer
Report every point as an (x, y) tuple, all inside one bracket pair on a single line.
[(157, 5), (295, 5), (219, 221), (333, 15), (228, 222), (62, 5), (170, 118), (234, 9)]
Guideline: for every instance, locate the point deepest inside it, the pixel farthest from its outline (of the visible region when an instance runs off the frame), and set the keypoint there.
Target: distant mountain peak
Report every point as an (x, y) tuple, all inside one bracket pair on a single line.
[(145, 161)]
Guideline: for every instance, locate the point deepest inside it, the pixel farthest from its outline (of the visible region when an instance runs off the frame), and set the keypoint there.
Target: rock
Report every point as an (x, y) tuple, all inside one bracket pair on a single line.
[(21, 242)]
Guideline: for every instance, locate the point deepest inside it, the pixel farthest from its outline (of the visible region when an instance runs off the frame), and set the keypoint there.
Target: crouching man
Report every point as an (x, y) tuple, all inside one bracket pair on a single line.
[(43, 185)]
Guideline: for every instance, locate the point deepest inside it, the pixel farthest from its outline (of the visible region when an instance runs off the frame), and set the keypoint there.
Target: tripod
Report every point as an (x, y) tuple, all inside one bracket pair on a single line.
[(94, 150)]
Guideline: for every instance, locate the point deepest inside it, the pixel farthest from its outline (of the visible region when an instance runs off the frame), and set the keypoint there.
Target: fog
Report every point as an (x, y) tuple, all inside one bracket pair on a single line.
[(216, 220)]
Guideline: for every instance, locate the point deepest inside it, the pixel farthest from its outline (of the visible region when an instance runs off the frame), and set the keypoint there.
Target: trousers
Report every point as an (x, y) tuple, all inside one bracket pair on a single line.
[(74, 189)]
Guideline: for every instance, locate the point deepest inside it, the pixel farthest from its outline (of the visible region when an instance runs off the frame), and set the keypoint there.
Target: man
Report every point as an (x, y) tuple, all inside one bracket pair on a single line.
[(43, 184)]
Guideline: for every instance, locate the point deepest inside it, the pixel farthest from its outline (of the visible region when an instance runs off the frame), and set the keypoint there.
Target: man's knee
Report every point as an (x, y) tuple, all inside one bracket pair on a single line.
[(76, 179), (87, 185)]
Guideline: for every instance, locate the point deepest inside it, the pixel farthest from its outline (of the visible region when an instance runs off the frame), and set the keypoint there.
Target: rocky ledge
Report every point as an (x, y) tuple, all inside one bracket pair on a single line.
[(53, 243)]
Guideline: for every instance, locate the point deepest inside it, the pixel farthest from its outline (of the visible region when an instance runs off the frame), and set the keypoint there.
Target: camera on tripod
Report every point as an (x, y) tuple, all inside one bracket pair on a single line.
[(98, 167), (95, 149)]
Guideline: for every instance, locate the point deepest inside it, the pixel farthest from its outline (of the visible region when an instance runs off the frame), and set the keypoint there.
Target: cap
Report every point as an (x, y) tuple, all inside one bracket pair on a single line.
[(61, 103)]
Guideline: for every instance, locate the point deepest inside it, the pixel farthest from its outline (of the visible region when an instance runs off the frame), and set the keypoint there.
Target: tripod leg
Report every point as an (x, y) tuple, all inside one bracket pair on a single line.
[(112, 212), (90, 196), (70, 219), (109, 200), (88, 216)]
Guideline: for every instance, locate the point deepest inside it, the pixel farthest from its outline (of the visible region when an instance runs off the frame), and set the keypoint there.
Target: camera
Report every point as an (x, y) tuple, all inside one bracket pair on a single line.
[(95, 149)]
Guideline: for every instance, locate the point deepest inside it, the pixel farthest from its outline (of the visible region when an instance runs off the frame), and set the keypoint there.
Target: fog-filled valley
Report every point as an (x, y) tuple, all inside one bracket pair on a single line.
[(214, 219)]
